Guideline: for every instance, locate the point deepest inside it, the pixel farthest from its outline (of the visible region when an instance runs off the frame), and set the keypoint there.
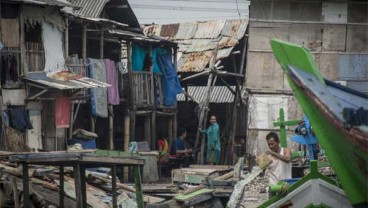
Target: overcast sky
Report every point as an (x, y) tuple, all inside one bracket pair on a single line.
[(173, 11)]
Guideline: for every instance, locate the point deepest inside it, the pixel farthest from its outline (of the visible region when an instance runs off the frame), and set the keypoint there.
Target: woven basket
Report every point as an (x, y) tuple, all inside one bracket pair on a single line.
[(263, 160)]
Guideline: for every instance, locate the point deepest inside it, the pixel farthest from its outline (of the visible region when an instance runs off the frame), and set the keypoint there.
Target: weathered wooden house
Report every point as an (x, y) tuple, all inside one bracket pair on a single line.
[(60, 49), (110, 30), (200, 45), (36, 85), (335, 32)]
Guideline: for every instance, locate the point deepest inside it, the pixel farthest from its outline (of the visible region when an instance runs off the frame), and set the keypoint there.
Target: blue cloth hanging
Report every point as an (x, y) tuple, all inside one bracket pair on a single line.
[(19, 119), (170, 81)]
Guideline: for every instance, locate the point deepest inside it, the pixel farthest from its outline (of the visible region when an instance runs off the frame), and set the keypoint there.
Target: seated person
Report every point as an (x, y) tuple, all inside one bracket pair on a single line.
[(180, 148), (163, 148)]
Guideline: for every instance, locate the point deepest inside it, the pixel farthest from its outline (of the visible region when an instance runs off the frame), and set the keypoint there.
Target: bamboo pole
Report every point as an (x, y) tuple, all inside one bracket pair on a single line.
[(237, 97), (202, 117), (66, 37)]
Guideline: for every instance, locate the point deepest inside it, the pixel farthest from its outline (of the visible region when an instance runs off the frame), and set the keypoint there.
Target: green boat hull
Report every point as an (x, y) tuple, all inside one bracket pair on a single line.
[(346, 149)]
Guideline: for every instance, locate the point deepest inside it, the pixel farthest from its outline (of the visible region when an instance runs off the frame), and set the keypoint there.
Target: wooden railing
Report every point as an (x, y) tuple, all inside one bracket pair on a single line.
[(141, 86), (35, 56), (143, 93), (78, 66)]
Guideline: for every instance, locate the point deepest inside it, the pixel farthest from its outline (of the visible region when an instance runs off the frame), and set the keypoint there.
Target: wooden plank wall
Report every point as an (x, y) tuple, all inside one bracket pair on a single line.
[(335, 32)]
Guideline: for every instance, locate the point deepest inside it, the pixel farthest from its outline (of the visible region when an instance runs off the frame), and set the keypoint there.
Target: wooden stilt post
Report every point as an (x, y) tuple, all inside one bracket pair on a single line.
[(153, 103), (77, 184), (83, 185), (111, 127), (237, 98), (147, 130), (126, 144), (61, 189), (113, 187), (15, 192), (26, 200), (170, 129), (84, 41), (70, 130), (66, 38), (175, 122), (138, 187)]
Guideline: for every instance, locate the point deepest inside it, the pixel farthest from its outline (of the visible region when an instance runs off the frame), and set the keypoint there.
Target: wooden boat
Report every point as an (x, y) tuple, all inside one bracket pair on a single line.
[(339, 117)]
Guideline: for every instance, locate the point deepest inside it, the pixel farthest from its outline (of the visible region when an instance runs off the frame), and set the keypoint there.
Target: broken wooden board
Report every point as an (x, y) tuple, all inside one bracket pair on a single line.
[(182, 197), (238, 192), (92, 200), (193, 175), (222, 192), (217, 167)]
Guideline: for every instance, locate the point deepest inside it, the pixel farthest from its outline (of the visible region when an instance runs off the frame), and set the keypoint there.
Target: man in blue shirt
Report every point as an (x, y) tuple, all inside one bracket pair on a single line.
[(180, 148)]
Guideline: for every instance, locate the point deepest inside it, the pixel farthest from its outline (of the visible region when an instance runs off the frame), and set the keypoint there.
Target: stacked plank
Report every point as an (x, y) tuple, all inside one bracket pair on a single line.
[(215, 182)]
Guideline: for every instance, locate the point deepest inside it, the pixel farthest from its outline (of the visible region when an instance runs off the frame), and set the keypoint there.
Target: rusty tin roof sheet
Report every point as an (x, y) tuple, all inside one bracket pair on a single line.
[(194, 62), (64, 81), (198, 40)]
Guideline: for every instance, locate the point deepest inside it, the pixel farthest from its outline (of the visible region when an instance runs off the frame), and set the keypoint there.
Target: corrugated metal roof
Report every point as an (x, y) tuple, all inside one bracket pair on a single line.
[(210, 29), (89, 8), (60, 3), (169, 30), (194, 62), (235, 28), (140, 37), (186, 30), (197, 45), (220, 94), (116, 10), (72, 81), (224, 52), (195, 37)]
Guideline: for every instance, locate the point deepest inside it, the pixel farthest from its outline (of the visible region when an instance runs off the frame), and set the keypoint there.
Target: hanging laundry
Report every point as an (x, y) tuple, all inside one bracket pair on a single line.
[(113, 97), (62, 112), (170, 81), (98, 95), (19, 119), (138, 55)]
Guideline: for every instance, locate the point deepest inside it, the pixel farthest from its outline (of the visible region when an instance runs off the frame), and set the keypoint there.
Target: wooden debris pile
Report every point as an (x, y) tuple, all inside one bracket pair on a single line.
[(209, 186), (44, 186)]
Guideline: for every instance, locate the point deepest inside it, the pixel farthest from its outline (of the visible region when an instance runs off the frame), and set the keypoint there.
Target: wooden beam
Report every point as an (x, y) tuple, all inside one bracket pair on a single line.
[(102, 44), (126, 143), (77, 183), (66, 38), (227, 86), (26, 201), (61, 190), (83, 185), (113, 186), (138, 187), (84, 41), (15, 192), (111, 127), (147, 130)]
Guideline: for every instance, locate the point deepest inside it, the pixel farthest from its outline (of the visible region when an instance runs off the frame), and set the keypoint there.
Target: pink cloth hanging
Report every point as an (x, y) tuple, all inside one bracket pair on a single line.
[(113, 97), (62, 112)]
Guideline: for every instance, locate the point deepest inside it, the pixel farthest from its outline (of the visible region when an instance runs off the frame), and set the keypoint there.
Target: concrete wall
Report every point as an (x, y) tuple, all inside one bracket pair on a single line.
[(335, 32)]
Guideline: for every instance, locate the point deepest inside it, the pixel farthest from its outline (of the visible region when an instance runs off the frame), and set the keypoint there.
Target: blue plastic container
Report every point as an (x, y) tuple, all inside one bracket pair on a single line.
[(86, 143), (291, 180)]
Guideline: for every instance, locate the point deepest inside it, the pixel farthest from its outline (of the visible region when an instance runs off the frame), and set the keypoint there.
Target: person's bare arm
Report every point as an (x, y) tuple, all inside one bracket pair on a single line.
[(286, 157)]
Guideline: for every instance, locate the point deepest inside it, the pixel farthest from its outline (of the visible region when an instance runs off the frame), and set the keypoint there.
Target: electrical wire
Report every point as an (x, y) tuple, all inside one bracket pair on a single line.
[(237, 8)]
